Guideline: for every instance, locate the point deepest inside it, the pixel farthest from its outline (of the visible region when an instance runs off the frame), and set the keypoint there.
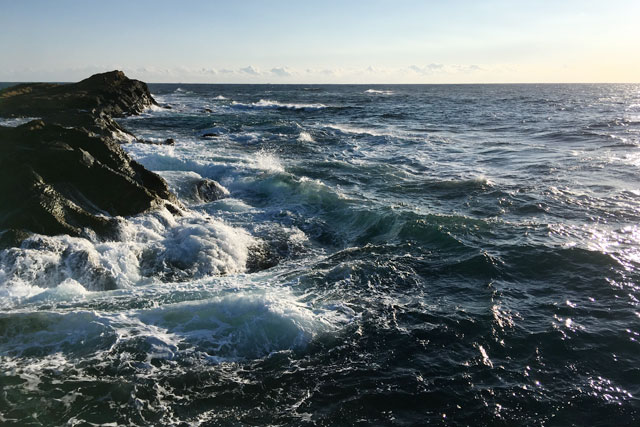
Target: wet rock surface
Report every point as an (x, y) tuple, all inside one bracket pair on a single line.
[(209, 190), (65, 173)]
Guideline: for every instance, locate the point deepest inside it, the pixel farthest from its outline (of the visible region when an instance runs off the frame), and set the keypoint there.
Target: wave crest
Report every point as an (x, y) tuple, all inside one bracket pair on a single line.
[(269, 104), (379, 92)]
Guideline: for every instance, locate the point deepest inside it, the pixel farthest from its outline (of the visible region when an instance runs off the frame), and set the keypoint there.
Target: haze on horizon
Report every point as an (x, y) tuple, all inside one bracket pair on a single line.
[(377, 41)]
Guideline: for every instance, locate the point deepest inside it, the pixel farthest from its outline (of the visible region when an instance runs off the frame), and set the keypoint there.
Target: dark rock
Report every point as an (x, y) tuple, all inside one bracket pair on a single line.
[(66, 174), (209, 190), (208, 110), (261, 257), (55, 180), (169, 141), (109, 93), (209, 135), (90, 104), (167, 107)]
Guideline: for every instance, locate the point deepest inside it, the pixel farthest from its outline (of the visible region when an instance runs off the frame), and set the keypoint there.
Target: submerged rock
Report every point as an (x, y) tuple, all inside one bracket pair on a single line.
[(209, 135), (65, 173), (261, 257), (209, 190)]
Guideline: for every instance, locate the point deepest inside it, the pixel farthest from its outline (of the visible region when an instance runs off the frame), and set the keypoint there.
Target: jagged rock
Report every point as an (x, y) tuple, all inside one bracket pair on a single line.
[(55, 180), (65, 173), (209, 190), (90, 104)]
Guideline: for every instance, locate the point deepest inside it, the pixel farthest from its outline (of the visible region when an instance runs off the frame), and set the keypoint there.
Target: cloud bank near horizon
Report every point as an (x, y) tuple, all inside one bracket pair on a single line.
[(253, 74)]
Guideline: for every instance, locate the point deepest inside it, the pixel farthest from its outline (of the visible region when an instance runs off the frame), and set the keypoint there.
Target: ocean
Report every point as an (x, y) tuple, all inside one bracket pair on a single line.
[(387, 255)]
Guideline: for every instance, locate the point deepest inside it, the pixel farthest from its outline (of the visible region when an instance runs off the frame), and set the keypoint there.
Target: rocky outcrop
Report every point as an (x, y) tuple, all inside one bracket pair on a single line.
[(64, 173), (90, 104)]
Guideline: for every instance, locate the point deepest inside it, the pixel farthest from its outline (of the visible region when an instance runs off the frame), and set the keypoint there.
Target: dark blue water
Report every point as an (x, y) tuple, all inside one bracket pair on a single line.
[(387, 255)]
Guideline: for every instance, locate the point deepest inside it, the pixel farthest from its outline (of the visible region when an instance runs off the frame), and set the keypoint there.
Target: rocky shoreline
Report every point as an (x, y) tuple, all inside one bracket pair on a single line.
[(65, 173)]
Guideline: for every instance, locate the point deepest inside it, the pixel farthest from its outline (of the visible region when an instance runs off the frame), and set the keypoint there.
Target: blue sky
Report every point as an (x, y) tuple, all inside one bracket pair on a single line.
[(374, 41)]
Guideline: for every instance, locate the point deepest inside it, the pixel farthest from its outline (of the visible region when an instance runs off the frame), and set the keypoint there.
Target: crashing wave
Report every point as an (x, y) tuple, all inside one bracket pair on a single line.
[(153, 246)]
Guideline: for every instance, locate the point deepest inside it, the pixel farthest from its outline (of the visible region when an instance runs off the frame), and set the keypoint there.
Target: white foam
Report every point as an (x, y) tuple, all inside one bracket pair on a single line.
[(305, 137), (220, 97), (247, 324), (268, 104), (378, 92), (182, 183), (267, 161), (154, 108), (358, 130), (248, 321), (67, 290), (151, 246), (12, 293), (234, 205), (153, 150), (121, 136)]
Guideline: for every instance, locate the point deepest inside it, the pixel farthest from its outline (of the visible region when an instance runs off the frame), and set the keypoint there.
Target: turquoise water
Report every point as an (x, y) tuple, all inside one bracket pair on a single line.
[(464, 255)]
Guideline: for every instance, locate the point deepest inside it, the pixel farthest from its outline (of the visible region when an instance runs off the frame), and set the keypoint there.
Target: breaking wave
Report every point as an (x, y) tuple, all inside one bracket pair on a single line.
[(268, 104), (149, 247), (379, 92)]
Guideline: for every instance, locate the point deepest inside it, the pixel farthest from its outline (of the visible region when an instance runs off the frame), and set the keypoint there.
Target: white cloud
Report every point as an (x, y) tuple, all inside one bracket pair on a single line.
[(427, 69), (281, 71), (251, 70), (433, 69)]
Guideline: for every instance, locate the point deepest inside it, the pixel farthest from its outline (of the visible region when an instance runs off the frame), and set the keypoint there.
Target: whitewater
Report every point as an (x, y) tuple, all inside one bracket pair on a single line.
[(386, 255)]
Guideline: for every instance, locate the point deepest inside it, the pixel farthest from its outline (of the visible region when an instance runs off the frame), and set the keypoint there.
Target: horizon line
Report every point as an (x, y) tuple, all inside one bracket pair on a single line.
[(344, 84)]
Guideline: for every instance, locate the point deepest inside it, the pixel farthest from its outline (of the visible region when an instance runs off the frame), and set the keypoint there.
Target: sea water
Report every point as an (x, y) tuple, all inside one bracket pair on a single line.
[(456, 254)]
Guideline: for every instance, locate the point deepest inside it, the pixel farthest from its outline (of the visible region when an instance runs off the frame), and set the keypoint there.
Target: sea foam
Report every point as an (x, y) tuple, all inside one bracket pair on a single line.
[(378, 92), (151, 247), (267, 161), (268, 104), (305, 137)]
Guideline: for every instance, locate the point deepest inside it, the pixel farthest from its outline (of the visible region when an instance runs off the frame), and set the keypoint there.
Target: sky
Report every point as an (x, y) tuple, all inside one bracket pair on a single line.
[(374, 41)]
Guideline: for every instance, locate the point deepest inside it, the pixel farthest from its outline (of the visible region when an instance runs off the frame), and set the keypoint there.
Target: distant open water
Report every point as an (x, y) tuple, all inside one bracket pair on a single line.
[(459, 255)]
